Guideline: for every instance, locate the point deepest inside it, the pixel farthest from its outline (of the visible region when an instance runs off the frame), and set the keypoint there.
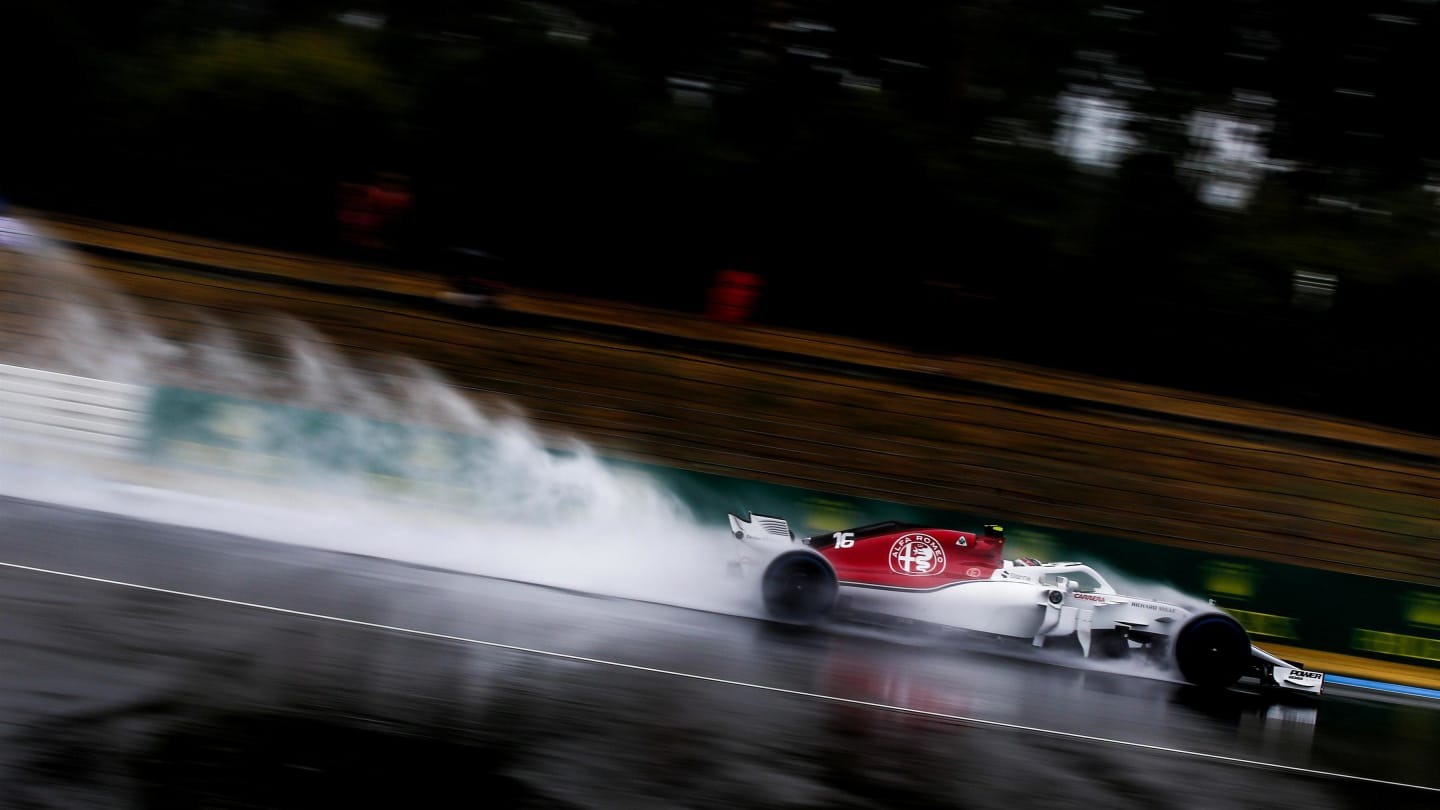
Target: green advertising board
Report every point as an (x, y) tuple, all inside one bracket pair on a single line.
[(232, 435)]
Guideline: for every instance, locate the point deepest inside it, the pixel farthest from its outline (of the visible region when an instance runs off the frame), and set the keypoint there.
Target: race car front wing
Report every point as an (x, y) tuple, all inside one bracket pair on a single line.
[(1274, 671)]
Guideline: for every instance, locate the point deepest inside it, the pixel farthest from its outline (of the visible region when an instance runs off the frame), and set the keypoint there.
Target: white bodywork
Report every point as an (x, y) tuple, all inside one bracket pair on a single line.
[(1020, 600), (1026, 601)]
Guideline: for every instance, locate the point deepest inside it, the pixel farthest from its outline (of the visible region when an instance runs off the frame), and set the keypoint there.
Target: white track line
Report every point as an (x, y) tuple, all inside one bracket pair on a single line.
[(974, 721)]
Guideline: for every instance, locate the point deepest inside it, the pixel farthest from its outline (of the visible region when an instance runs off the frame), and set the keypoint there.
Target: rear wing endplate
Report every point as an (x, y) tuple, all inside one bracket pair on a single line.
[(761, 527)]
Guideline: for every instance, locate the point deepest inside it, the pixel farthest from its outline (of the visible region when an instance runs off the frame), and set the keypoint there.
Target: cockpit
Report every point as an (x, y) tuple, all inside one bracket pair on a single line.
[(1085, 581), (1073, 576)]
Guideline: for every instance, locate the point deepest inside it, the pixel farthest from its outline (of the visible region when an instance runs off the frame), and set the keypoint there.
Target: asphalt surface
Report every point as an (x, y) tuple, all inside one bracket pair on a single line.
[(331, 678)]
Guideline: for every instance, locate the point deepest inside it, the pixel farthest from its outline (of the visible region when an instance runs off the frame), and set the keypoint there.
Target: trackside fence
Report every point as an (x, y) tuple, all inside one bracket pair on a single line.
[(45, 409)]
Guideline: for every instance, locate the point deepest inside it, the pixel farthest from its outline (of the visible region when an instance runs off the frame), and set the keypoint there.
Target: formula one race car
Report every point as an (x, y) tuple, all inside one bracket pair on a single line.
[(960, 580)]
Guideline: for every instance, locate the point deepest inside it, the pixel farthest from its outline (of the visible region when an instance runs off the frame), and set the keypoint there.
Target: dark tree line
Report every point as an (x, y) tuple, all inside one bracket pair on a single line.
[(1237, 195)]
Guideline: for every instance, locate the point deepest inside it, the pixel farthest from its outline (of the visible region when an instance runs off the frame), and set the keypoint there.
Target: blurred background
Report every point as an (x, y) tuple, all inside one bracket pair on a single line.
[(826, 260), (1239, 197)]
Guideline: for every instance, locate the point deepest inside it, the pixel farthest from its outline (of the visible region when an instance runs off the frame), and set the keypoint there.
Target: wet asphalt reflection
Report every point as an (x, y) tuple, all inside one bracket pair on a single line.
[(120, 697)]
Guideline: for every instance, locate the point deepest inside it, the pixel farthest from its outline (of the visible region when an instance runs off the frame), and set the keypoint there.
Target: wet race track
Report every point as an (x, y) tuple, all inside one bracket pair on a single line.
[(153, 665)]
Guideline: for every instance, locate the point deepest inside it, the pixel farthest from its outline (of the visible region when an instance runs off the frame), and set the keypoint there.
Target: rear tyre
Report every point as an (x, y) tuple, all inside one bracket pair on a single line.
[(799, 587), (1212, 651)]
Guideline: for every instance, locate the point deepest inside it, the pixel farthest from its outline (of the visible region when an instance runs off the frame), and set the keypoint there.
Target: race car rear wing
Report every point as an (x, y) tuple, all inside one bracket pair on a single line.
[(761, 527), (757, 540)]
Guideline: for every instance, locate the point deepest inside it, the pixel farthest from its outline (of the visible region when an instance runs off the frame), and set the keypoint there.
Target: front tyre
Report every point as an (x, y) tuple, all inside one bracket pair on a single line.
[(799, 587), (1212, 651)]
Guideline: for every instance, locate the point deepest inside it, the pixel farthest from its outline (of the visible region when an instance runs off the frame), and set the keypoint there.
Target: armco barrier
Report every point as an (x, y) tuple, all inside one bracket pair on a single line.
[(1282, 604), (48, 409)]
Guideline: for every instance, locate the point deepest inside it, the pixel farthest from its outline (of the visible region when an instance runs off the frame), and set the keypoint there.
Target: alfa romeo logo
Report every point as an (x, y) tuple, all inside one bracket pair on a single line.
[(917, 555)]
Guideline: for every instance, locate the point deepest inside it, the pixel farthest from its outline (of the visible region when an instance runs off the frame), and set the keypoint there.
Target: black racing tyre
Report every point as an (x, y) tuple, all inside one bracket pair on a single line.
[(799, 587), (1212, 651)]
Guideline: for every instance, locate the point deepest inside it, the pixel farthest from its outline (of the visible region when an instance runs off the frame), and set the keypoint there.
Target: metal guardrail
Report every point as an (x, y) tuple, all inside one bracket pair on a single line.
[(49, 409)]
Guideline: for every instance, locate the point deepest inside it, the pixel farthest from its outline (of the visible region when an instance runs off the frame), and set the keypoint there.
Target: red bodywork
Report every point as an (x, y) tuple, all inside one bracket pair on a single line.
[(910, 558)]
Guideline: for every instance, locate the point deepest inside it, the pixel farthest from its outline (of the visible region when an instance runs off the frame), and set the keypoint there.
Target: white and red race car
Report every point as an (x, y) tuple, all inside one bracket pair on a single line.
[(960, 580)]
